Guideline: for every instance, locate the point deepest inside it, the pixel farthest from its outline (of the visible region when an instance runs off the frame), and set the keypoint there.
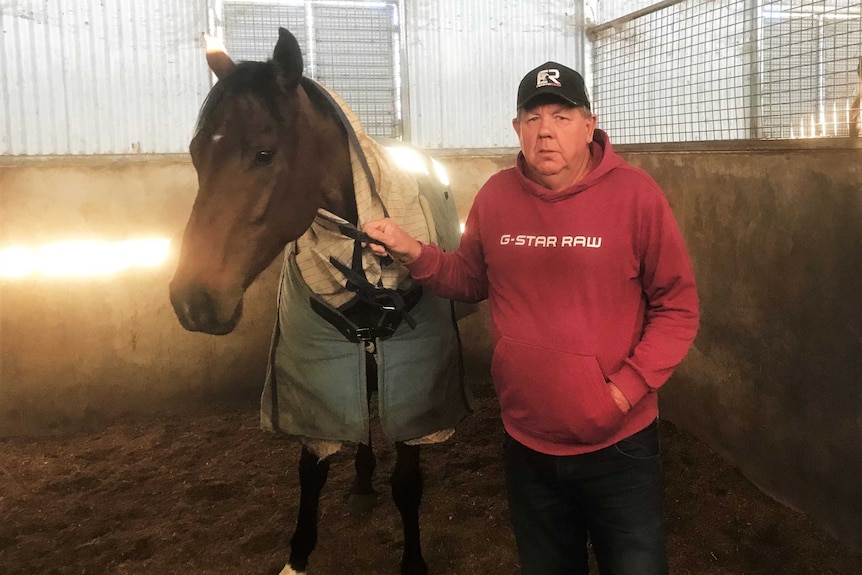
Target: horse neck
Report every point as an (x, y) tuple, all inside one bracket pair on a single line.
[(337, 184)]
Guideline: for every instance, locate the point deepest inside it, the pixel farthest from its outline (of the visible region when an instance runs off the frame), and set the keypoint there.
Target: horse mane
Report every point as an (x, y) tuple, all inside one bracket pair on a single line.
[(319, 101), (258, 80)]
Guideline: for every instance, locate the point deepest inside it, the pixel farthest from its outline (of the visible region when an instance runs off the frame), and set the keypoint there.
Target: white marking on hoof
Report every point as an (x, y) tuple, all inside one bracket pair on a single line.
[(288, 570)]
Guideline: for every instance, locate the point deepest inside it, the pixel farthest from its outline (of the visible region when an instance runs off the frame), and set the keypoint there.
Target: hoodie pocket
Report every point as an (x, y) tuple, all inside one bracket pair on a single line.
[(554, 395)]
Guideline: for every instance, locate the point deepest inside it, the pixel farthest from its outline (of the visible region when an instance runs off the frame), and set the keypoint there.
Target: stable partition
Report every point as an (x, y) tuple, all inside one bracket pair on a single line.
[(773, 380)]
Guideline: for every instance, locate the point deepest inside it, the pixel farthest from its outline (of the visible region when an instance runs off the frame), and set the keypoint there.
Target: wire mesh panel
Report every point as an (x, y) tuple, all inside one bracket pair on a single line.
[(251, 28), (728, 69), (350, 47), (810, 75), (357, 56)]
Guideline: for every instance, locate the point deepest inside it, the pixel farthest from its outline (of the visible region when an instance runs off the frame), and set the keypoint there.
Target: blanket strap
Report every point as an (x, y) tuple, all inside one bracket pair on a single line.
[(384, 327), (387, 299)]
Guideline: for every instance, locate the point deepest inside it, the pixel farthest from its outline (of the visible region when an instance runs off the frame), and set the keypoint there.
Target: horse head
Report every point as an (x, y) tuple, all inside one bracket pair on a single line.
[(268, 155)]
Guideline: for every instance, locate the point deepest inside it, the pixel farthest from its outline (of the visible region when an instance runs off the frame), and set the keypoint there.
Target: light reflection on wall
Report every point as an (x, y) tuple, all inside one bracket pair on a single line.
[(411, 160), (82, 258), (825, 124), (407, 159)]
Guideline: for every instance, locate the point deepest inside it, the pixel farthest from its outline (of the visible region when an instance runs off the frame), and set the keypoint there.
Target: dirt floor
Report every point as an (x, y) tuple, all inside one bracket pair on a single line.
[(212, 494)]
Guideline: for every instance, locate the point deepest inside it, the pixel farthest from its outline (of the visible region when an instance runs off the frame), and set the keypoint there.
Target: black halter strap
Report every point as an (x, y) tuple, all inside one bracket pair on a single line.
[(387, 299)]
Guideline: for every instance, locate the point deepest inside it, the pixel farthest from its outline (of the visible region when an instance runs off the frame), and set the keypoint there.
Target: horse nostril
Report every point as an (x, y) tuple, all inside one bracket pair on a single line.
[(201, 310), (194, 307), (197, 310)]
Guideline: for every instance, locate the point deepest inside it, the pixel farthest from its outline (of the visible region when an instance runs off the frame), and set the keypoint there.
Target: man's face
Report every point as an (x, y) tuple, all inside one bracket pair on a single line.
[(555, 141)]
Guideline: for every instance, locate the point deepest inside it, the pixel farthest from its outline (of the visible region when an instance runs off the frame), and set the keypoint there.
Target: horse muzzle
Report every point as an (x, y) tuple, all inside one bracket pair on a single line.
[(197, 310)]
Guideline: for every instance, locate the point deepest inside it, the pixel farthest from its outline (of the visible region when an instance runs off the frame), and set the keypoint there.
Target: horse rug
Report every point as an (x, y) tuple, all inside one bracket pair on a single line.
[(315, 385)]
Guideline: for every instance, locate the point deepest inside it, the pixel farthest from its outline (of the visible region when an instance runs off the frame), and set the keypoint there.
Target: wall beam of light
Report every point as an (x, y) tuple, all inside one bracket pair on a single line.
[(80, 259), (411, 160), (440, 171), (408, 159)]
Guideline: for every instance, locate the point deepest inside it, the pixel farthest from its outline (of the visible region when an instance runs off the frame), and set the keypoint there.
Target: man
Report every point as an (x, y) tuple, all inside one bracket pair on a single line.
[(593, 304)]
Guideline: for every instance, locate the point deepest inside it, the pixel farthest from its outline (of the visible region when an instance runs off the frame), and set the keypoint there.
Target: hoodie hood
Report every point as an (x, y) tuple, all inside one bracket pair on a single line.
[(603, 161)]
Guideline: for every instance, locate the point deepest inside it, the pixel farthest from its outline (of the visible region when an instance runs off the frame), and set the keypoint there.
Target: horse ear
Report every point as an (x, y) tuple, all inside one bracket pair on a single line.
[(287, 57), (217, 59)]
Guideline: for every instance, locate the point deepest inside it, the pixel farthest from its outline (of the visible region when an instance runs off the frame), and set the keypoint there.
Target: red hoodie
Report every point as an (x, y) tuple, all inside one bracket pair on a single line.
[(587, 285)]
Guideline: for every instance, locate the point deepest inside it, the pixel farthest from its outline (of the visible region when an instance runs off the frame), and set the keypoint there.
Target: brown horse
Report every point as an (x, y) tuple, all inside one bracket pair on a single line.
[(271, 152)]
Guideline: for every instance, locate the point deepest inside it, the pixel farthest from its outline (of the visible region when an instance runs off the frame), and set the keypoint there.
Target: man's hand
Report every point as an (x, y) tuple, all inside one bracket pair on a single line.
[(619, 398), (399, 244)]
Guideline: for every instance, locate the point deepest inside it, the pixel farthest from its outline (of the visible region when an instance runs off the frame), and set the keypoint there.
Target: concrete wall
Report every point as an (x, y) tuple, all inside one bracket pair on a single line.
[(772, 381), (80, 353)]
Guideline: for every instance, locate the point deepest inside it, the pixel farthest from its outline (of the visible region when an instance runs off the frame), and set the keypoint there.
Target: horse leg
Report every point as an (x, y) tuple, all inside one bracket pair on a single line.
[(406, 483), (365, 463), (312, 477)]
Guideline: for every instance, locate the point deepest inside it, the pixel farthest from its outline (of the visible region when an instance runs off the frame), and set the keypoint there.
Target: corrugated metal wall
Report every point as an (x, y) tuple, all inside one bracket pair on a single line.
[(466, 58), (104, 77), (128, 76)]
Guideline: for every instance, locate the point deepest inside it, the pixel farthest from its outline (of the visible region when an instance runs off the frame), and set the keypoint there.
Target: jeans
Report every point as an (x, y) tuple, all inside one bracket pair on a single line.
[(613, 496)]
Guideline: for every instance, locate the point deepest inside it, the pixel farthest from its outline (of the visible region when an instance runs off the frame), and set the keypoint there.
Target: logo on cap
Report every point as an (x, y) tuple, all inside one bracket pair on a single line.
[(550, 77)]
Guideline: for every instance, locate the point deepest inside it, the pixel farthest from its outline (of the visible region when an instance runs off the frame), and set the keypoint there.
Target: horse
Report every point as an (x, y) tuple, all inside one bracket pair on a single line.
[(277, 158)]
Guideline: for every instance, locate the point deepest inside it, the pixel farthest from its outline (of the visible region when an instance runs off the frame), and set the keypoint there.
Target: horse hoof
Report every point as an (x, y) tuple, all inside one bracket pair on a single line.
[(288, 570), (362, 488), (414, 567), (362, 504)]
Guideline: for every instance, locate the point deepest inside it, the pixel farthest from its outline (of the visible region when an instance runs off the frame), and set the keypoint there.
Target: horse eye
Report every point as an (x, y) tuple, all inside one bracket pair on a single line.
[(264, 157)]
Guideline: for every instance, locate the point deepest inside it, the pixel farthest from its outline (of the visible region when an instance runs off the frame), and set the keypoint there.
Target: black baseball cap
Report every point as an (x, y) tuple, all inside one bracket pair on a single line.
[(556, 79)]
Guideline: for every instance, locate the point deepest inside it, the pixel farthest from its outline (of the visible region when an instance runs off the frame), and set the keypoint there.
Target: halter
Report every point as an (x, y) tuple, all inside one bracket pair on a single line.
[(390, 301)]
